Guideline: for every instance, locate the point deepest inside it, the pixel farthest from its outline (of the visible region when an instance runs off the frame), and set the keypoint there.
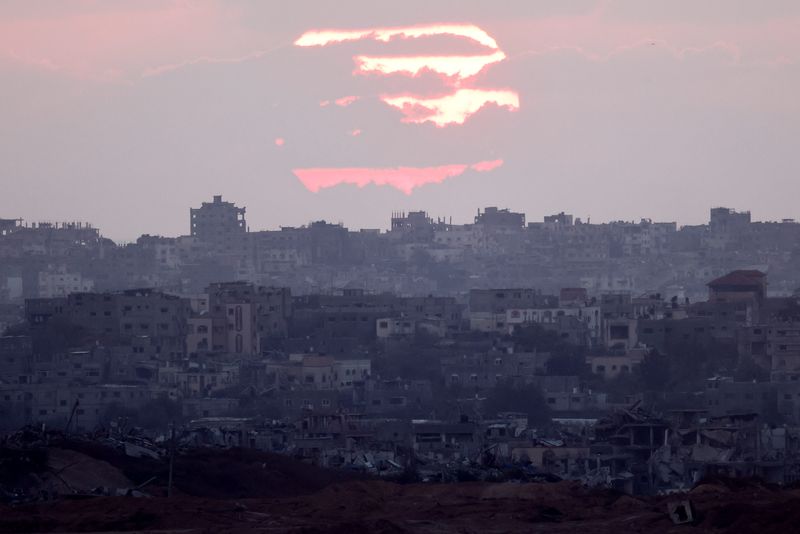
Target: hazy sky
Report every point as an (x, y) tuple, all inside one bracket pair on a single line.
[(127, 113)]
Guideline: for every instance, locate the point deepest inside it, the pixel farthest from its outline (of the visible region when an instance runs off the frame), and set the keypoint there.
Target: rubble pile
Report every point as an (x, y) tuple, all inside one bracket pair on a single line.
[(54, 483), (37, 466)]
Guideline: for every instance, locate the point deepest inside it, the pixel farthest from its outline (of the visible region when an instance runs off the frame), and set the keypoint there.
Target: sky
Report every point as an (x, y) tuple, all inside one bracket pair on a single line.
[(126, 113)]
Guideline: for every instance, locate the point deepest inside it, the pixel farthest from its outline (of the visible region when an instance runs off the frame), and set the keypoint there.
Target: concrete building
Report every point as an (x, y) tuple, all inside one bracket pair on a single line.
[(220, 224), (60, 283), (612, 366)]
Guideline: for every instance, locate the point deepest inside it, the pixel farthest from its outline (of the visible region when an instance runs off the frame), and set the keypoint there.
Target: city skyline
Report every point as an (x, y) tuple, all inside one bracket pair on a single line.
[(441, 218), (115, 110), (412, 266)]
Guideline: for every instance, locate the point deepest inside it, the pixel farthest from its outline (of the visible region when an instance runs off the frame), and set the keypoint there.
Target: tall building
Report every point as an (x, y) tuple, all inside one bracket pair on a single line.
[(219, 224)]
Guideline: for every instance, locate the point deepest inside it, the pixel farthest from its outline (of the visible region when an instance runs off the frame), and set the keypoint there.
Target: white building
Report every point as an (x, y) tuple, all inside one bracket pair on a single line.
[(61, 284), (590, 315)]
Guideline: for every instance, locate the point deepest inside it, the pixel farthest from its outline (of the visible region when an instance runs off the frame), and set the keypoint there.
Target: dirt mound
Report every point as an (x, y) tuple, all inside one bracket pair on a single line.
[(222, 473), (377, 506), (78, 472), (246, 473), (741, 516), (534, 492)]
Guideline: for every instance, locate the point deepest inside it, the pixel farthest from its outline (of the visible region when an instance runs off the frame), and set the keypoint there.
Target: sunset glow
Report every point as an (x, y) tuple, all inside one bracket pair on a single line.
[(345, 101), (460, 67), (326, 37), (451, 109), (454, 106), (486, 166), (405, 179)]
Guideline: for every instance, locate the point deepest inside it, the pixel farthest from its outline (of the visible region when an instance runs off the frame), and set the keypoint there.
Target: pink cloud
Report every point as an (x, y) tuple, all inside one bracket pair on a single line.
[(404, 179), (346, 101), (326, 37), (453, 108), (457, 71), (122, 41), (486, 166)]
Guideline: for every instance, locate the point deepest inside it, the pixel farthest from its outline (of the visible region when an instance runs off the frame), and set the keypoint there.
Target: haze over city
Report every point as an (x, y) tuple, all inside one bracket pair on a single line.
[(440, 266), (607, 109)]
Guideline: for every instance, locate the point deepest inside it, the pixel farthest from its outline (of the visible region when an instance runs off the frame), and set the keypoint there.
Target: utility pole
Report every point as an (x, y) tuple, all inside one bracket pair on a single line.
[(72, 415), (171, 459)]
